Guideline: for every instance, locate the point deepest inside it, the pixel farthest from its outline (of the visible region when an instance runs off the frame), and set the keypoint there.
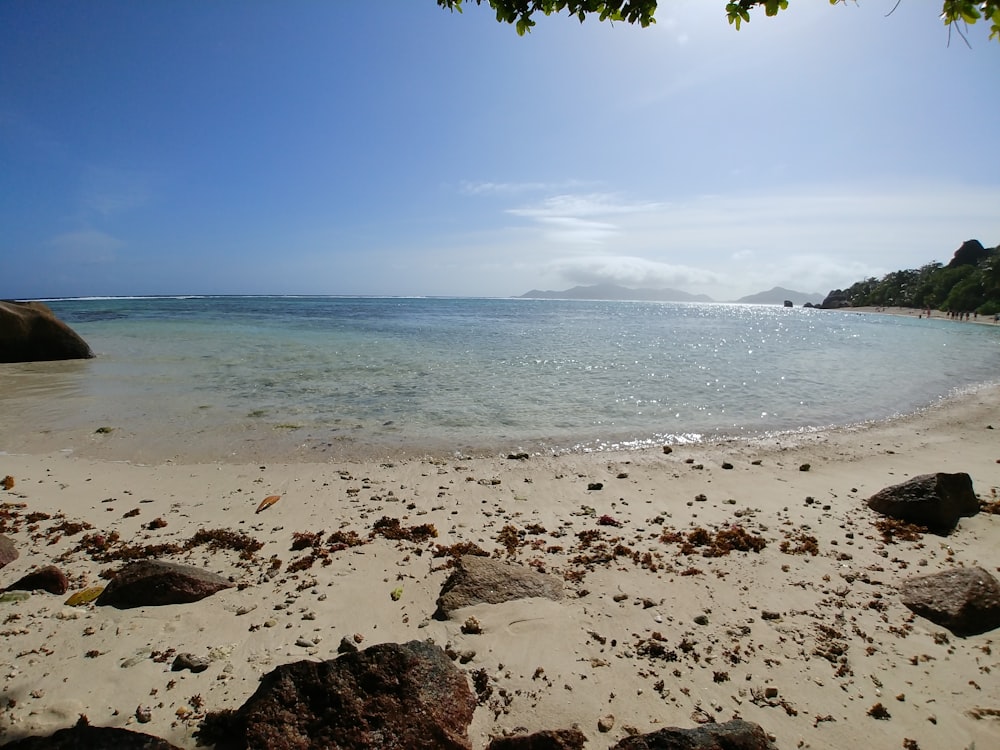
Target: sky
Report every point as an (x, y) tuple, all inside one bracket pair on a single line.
[(396, 148)]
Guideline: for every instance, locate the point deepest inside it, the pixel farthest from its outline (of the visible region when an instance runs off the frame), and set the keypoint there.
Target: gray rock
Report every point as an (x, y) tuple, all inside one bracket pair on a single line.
[(936, 501), (478, 580), (733, 735), (964, 600), (8, 552), (190, 662), (152, 583)]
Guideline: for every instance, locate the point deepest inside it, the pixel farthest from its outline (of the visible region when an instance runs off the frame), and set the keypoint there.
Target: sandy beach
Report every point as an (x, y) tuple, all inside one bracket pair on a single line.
[(804, 636)]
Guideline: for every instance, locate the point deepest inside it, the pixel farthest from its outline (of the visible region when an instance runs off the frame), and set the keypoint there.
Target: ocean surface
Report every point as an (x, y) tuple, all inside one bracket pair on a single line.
[(217, 378)]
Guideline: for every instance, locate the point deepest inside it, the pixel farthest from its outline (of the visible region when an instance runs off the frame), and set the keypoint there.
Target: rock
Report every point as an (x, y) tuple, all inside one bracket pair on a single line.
[(605, 724), (190, 661), (8, 552), (557, 739), (49, 578), (936, 501), (154, 583), (733, 735), (85, 737), (970, 253), (390, 695), (964, 600), (30, 332), (476, 580), (835, 300)]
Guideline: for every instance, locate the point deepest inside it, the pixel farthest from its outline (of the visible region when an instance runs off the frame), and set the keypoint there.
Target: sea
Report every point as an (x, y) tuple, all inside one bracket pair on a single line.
[(234, 378)]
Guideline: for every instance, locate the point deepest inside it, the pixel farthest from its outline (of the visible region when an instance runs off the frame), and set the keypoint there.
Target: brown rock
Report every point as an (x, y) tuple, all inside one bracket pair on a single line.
[(85, 737), (49, 578), (557, 739), (30, 332), (476, 580), (936, 501), (733, 735), (152, 583), (964, 600), (8, 552), (390, 695)]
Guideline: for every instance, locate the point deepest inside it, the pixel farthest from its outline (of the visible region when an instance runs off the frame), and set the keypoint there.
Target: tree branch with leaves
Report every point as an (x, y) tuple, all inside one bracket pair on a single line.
[(955, 14)]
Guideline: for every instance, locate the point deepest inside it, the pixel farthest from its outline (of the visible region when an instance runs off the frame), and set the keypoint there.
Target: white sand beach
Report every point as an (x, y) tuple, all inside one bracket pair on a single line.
[(804, 637)]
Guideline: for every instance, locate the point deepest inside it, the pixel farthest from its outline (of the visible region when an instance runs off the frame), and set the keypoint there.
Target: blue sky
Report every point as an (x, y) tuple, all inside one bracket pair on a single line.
[(335, 147)]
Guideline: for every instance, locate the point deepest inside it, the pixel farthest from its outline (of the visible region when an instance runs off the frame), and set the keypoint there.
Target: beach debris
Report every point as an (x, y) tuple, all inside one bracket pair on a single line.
[(14, 596), (156, 583), (606, 723), (878, 711), (267, 502), (392, 528), (8, 552), (396, 594), (966, 601), (84, 596), (472, 626), (477, 580), (8, 483), (667, 450), (518, 457), (594, 486), (936, 501), (549, 739), (389, 695), (737, 733), (48, 578), (805, 467)]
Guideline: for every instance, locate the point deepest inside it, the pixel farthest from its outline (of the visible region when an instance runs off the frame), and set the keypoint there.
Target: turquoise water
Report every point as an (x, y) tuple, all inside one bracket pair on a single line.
[(217, 377)]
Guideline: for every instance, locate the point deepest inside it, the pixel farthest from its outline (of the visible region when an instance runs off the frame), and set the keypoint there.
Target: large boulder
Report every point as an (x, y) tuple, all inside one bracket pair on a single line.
[(390, 695), (85, 737), (30, 332), (836, 299), (964, 600), (8, 552), (969, 254), (49, 578), (936, 501), (152, 583), (733, 735), (478, 580)]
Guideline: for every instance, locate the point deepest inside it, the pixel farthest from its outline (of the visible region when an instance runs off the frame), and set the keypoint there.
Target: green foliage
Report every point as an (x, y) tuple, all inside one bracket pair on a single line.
[(965, 288), (957, 14)]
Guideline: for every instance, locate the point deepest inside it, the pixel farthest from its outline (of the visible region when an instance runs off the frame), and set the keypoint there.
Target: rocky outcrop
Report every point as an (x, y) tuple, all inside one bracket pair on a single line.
[(969, 254), (478, 580), (152, 583), (964, 600), (936, 501), (8, 552), (49, 578), (733, 735), (835, 300), (555, 739), (86, 737), (390, 695), (30, 332)]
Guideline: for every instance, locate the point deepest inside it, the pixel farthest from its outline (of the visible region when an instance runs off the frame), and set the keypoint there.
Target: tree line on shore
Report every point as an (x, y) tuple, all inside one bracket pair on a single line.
[(970, 282)]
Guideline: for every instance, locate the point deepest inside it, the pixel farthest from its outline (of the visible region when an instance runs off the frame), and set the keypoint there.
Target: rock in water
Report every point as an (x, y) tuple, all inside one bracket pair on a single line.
[(49, 578), (390, 695), (152, 583), (733, 735), (476, 580), (84, 737), (964, 600), (30, 332), (936, 501), (8, 552)]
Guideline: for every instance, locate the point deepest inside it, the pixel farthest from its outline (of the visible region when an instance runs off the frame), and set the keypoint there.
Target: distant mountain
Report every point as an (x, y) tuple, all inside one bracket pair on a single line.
[(615, 292), (778, 295)]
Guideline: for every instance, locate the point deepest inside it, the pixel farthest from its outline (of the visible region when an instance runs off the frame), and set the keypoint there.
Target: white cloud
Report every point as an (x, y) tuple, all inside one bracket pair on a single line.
[(631, 272)]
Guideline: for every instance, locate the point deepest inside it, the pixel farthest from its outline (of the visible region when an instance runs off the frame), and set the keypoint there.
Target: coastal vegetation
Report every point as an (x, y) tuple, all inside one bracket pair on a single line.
[(955, 14), (970, 282)]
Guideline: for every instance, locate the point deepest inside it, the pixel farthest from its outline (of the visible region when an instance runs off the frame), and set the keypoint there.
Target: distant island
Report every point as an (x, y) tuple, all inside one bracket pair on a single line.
[(776, 296)]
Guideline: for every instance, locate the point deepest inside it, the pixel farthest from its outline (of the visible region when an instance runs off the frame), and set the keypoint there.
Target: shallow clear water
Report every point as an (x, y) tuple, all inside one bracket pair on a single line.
[(202, 376)]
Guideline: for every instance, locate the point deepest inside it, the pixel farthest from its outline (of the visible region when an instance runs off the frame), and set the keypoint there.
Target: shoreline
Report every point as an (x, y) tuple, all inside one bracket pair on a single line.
[(57, 662)]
